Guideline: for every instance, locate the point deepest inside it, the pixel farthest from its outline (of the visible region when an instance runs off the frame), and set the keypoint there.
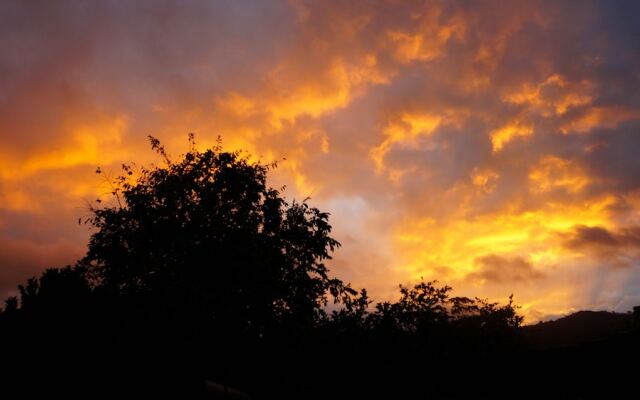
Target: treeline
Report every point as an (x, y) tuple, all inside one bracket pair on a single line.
[(198, 270)]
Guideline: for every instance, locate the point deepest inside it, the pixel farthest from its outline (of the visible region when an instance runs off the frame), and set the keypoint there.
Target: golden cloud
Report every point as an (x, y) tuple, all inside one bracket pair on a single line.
[(553, 172), (599, 117), (464, 142), (514, 129)]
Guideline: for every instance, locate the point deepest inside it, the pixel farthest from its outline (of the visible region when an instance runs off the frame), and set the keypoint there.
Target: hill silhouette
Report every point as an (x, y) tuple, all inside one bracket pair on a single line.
[(577, 328)]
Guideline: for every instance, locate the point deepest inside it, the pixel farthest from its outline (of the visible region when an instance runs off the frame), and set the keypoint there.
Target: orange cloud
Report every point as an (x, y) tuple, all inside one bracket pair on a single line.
[(429, 37), (317, 97), (89, 145), (503, 135), (554, 96), (404, 132), (600, 117), (552, 173), (457, 141), (485, 179)]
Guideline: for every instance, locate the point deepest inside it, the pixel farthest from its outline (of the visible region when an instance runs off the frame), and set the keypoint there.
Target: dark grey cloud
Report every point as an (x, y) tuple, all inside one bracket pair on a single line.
[(587, 237), (497, 269)]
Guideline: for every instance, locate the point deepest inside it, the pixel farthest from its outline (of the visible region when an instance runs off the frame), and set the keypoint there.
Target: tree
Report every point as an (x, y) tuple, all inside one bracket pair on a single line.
[(197, 267), (419, 309), (58, 291), (207, 233), (195, 261), (426, 313)]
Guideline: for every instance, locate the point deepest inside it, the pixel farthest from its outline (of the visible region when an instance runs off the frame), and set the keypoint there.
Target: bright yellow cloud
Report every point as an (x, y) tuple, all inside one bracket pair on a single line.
[(426, 246)]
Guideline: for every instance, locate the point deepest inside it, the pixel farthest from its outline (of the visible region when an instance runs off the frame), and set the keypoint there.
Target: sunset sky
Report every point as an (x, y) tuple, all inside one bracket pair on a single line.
[(492, 145)]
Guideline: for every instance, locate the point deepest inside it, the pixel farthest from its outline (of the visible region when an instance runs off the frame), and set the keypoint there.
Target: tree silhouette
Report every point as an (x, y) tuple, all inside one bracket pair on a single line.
[(199, 269), (207, 233)]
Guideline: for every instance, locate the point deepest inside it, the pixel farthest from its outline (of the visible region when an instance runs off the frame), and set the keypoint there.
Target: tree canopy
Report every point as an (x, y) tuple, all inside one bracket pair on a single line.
[(208, 228)]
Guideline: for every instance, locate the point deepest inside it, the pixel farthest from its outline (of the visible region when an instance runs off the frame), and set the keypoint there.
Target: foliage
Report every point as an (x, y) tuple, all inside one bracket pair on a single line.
[(198, 265), (208, 227)]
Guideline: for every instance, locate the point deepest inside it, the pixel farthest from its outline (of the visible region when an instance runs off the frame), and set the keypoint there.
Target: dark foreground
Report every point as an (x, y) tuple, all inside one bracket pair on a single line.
[(148, 366)]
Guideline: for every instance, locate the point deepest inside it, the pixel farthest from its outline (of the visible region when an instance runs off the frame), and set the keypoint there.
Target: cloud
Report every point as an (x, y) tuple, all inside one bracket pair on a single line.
[(584, 236), (23, 259), (620, 248), (496, 269), (439, 134)]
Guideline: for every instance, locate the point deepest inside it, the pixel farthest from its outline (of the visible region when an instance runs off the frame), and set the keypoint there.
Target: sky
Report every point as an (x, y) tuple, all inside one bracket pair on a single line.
[(491, 145)]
